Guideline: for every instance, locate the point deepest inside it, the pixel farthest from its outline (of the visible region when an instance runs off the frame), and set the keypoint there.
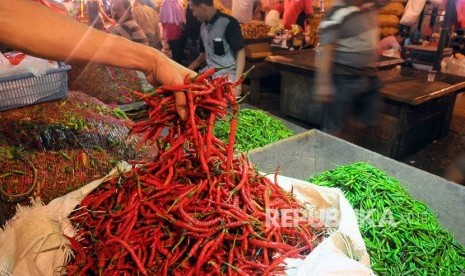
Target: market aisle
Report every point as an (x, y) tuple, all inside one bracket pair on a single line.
[(436, 157)]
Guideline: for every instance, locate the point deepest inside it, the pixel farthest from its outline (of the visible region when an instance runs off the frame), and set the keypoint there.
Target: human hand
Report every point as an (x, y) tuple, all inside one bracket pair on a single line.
[(166, 71), (238, 91), (324, 93)]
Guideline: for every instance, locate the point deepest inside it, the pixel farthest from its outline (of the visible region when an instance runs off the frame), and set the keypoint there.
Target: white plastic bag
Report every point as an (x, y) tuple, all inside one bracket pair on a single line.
[(451, 65), (412, 12), (29, 64)]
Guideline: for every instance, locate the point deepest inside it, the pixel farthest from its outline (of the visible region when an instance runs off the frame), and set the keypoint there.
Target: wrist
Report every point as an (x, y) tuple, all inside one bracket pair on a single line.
[(145, 60)]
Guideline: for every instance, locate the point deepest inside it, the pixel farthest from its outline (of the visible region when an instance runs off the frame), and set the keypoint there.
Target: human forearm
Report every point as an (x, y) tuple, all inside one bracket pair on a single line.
[(41, 33), (104, 15), (240, 63), (324, 87), (323, 63), (49, 35), (197, 62), (33, 29)]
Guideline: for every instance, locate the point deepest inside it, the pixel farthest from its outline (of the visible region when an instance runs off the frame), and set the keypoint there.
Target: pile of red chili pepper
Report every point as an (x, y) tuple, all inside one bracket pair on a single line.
[(195, 209)]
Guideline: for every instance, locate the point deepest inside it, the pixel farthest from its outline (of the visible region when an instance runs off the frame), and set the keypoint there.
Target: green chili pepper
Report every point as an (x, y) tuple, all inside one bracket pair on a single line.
[(254, 129), (415, 244)]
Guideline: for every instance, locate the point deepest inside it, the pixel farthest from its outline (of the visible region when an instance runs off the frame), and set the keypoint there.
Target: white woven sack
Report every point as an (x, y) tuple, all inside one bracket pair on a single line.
[(412, 12)]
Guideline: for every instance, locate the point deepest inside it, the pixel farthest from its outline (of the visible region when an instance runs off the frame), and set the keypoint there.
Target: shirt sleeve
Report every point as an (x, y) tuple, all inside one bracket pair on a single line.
[(328, 35), (201, 46), (328, 31), (233, 35), (308, 8)]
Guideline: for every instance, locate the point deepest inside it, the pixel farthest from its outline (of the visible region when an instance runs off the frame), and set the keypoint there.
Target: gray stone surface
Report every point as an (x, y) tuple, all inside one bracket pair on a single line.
[(313, 151)]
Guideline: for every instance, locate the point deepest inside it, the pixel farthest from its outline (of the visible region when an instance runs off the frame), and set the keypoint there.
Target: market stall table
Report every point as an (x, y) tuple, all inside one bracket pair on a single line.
[(264, 69), (416, 111)]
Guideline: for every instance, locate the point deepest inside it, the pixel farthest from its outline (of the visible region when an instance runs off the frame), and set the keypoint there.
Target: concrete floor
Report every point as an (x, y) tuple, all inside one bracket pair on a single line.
[(434, 158)]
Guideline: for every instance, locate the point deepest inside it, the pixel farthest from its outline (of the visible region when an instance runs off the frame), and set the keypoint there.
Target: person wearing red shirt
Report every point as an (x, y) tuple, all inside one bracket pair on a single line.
[(293, 9)]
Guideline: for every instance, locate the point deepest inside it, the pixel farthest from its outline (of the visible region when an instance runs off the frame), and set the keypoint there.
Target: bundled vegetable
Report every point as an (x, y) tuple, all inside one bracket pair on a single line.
[(192, 210), (402, 235), (254, 129)]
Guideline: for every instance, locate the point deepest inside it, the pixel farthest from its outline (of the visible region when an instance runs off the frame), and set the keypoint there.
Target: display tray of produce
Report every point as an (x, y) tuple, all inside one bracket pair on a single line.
[(411, 221)]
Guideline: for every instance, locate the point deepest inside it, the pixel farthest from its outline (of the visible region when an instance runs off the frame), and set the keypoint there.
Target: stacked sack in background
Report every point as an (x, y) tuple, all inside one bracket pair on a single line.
[(389, 17)]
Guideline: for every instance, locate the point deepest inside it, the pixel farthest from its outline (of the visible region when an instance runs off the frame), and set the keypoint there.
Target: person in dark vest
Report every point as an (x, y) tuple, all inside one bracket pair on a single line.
[(222, 41)]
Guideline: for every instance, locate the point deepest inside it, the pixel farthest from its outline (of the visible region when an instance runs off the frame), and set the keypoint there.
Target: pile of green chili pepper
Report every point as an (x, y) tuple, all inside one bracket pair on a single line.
[(254, 129), (402, 234)]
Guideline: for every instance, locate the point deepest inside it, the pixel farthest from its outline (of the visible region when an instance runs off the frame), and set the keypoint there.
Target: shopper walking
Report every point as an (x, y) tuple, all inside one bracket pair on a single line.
[(346, 81), (148, 21), (173, 20), (97, 15)]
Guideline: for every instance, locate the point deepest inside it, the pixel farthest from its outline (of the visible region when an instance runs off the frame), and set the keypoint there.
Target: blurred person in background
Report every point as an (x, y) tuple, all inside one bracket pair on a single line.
[(152, 5), (391, 45), (242, 10), (222, 41), (192, 36), (173, 20), (276, 5), (97, 15), (414, 38), (127, 27), (297, 12), (148, 21), (346, 82), (274, 9)]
